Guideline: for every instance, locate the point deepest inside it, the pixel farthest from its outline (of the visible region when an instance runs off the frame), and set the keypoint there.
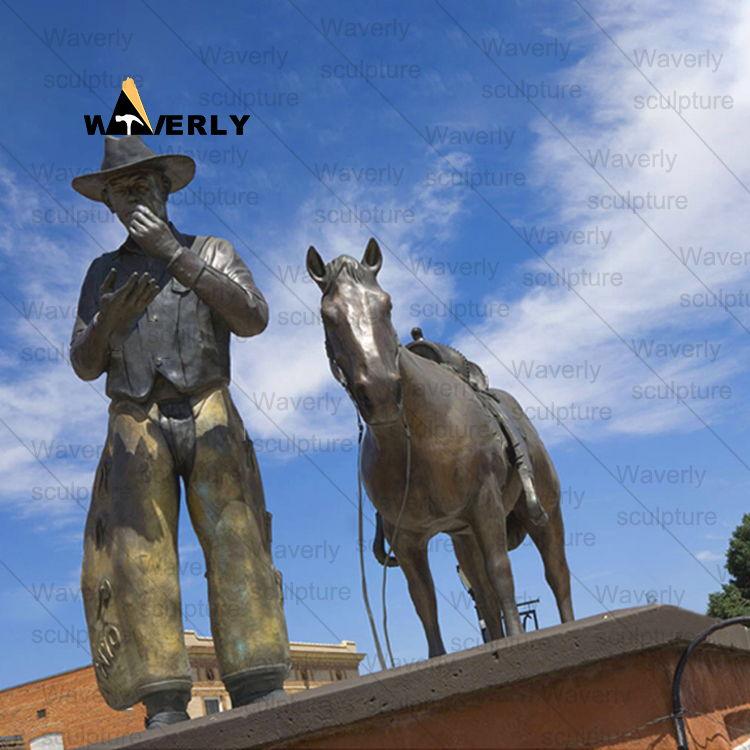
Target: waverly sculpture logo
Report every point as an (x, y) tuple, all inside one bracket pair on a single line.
[(129, 118)]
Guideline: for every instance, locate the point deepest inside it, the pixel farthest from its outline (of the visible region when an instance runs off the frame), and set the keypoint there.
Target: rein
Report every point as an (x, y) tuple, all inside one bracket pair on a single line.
[(339, 375), (407, 430), (378, 648)]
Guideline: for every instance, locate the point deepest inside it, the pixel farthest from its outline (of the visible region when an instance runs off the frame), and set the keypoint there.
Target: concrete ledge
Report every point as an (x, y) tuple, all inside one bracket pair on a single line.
[(440, 702)]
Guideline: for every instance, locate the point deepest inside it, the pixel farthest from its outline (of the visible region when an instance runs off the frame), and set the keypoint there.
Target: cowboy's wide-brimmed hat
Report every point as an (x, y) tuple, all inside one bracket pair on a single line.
[(128, 153)]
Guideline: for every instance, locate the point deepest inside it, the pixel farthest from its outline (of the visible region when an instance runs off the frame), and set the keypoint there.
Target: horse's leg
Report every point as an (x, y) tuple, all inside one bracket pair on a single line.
[(488, 523), (411, 553), (472, 564), (549, 539)]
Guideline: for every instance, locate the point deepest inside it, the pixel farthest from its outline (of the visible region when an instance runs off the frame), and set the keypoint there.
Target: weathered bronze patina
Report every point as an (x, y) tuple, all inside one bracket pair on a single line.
[(156, 315), (442, 452)]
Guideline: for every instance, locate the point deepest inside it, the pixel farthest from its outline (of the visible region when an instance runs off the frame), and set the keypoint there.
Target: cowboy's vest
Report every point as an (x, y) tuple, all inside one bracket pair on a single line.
[(178, 337)]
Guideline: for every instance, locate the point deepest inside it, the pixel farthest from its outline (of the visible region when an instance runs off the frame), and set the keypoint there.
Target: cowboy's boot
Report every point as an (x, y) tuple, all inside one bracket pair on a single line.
[(246, 690), (166, 707)]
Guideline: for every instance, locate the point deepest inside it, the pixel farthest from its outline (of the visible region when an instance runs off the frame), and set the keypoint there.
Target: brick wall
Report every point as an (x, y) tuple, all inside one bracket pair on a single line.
[(73, 707)]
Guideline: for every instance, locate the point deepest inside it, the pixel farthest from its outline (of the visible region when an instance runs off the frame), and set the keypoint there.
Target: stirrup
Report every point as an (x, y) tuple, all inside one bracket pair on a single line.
[(536, 510)]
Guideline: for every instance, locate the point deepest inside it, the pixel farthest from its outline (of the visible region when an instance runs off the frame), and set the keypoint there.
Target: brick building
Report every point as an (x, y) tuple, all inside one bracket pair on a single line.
[(66, 711)]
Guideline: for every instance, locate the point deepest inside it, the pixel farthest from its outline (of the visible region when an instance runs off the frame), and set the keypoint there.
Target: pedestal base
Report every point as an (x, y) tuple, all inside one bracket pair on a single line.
[(602, 682)]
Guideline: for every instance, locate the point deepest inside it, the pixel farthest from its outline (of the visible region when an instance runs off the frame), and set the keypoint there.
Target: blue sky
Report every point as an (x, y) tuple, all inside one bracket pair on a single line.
[(321, 138)]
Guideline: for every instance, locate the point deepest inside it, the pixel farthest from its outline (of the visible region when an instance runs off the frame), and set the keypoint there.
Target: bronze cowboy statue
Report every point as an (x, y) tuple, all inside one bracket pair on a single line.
[(156, 315), (442, 452)]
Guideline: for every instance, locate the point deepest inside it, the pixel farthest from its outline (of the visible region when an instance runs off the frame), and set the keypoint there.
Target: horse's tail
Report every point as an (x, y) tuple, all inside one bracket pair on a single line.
[(378, 545)]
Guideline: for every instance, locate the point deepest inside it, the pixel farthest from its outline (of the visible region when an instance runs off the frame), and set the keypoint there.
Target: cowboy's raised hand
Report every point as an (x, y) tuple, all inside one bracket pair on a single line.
[(120, 308), (152, 234)]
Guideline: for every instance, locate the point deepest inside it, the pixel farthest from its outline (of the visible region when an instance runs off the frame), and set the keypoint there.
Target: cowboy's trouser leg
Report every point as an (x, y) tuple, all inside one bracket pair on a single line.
[(226, 504), (130, 578)]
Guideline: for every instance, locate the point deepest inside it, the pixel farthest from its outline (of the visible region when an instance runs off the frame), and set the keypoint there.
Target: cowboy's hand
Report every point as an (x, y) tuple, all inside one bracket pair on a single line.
[(152, 234), (118, 310)]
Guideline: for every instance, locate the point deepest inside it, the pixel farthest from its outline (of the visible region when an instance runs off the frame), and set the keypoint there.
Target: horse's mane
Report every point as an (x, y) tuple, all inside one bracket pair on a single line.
[(347, 266)]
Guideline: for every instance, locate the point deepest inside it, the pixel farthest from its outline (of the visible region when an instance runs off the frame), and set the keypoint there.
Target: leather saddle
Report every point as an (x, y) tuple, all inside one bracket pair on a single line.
[(446, 355), (514, 432), (496, 402)]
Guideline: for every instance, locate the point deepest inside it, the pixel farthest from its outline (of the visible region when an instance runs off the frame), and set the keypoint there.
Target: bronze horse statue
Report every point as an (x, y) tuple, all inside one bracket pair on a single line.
[(461, 480)]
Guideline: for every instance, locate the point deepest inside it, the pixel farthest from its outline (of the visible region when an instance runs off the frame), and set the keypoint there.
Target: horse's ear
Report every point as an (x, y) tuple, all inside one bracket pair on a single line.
[(315, 267), (373, 258)]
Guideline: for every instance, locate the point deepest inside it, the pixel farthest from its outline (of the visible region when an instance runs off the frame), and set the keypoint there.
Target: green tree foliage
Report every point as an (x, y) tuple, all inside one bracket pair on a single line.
[(734, 598)]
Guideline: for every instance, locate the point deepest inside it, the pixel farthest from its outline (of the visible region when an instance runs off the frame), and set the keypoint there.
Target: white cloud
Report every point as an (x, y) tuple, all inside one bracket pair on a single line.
[(707, 555), (552, 325)]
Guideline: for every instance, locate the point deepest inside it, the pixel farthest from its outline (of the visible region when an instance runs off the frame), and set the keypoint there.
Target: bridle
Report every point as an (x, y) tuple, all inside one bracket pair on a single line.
[(338, 373)]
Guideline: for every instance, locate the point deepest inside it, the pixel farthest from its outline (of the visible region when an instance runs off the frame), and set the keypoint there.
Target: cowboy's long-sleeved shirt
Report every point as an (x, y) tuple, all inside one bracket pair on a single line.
[(207, 293)]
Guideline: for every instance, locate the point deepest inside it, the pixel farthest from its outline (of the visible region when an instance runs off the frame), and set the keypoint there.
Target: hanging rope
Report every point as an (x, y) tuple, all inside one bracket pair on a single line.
[(392, 544), (378, 648), (342, 379)]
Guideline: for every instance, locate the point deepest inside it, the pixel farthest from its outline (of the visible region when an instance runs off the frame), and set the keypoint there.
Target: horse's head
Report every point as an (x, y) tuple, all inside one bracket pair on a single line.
[(361, 342)]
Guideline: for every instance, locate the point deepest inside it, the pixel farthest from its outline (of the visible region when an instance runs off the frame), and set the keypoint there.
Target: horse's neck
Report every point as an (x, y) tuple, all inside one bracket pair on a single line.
[(426, 386), (392, 436), (415, 387), (416, 390)]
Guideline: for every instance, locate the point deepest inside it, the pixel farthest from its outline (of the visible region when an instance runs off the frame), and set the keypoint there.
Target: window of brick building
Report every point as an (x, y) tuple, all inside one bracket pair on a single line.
[(48, 742), (212, 705), (41, 713)]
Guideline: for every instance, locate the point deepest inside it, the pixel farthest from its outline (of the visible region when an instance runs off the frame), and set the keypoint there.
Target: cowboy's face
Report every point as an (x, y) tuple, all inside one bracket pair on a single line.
[(145, 188)]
